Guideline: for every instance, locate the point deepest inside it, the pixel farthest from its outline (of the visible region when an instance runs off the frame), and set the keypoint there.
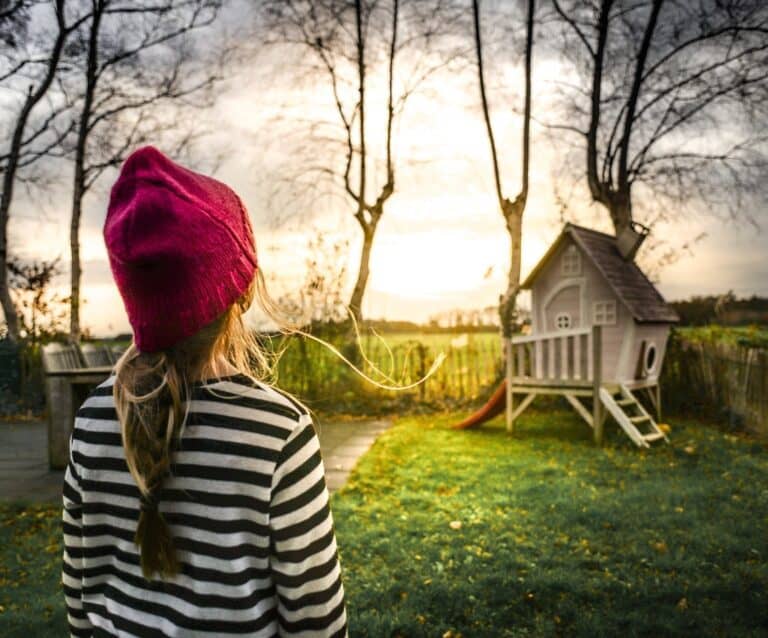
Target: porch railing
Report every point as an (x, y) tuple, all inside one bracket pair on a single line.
[(565, 357)]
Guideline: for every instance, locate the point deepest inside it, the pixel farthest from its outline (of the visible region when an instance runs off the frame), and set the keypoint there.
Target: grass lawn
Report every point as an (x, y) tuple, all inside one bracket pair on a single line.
[(482, 534), (477, 533), (31, 601)]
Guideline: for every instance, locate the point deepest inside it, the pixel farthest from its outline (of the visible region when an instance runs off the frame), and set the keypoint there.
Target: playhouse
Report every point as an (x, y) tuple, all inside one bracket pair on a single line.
[(585, 280), (599, 328), (599, 331)]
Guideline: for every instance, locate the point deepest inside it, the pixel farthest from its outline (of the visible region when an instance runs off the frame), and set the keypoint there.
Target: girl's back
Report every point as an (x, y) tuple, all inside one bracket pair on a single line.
[(247, 506), (195, 501)]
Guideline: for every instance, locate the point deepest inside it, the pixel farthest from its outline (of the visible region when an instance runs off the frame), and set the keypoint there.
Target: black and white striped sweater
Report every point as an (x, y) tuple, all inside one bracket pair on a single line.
[(247, 505)]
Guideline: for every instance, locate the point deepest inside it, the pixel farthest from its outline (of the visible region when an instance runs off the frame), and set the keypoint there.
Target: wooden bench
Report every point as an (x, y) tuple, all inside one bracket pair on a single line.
[(70, 374)]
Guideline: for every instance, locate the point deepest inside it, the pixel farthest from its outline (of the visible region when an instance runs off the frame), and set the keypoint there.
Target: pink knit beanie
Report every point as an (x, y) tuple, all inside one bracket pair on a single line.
[(180, 246)]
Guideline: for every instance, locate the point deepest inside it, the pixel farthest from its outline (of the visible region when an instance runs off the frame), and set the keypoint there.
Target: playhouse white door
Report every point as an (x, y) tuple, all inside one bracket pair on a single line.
[(562, 309)]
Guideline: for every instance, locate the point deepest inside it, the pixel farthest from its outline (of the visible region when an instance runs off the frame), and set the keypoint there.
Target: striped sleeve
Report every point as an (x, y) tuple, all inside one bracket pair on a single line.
[(303, 554), (72, 567)]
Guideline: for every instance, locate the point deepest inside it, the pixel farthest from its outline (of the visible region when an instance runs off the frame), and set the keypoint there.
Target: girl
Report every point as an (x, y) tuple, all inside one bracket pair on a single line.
[(195, 501)]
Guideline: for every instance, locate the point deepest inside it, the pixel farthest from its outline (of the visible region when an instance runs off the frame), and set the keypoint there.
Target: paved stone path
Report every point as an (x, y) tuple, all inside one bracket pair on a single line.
[(24, 473)]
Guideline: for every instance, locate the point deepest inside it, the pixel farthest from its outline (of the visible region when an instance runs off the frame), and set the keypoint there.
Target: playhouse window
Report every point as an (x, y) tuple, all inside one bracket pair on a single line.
[(605, 313), (571, 261), (650, 357), (563, 321)]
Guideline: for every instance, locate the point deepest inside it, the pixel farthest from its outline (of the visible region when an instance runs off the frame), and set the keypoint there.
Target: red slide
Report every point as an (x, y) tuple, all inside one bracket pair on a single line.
[(493, 407)]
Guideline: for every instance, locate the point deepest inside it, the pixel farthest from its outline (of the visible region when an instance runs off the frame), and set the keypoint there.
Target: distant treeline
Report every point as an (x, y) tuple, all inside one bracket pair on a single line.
[(723, 309)]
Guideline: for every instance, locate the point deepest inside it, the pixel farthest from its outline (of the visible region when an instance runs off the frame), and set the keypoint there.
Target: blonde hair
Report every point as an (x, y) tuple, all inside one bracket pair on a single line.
[(151, 389)]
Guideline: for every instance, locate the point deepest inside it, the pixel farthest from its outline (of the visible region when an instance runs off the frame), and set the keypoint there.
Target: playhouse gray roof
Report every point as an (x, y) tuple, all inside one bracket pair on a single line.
[(626, 279)]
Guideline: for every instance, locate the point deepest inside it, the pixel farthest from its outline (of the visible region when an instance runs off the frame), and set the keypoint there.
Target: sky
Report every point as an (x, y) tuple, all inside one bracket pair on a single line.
[(441, 243)]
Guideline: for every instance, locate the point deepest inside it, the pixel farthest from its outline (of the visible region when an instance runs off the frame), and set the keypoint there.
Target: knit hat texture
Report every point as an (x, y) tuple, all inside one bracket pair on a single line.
[(180, 246)]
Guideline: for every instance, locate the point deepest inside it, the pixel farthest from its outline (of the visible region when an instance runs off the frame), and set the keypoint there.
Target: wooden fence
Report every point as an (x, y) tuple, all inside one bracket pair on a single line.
[(312, 371), (728, 379), (724, 380)]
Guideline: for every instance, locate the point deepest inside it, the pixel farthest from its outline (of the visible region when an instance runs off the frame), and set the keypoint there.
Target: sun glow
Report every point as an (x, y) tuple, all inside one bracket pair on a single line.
[(434, 264)]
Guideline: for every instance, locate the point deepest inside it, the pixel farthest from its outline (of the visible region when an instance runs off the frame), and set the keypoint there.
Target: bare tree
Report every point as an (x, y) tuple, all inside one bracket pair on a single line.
[(511, 209), (320, 298), (672, 99), (138, 66), (43, 311), (42, 314), (32, 66), (350, 42)]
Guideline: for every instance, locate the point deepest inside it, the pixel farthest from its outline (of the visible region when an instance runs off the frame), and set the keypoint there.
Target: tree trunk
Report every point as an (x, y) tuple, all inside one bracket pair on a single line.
[(80, 187), (74, 247), (9, 176), (361, 109), (619, 206), (356, 302), (9, 308), (513, 216), (511, 210), (596, 186)]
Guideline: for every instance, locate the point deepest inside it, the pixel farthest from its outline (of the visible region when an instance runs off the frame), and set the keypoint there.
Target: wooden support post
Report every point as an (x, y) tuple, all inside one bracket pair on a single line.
[(61, 409), (510, 375), (577, 371), (564, 358), (539, 360), (597, 356), (579, 408), (527, 400), (551, 372)]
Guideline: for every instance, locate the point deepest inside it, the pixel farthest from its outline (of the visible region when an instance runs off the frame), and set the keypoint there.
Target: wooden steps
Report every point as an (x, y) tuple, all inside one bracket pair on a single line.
[(631, 416)]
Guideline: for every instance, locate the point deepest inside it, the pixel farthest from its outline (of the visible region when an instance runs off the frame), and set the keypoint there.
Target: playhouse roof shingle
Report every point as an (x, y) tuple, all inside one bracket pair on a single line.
[(626, 279)]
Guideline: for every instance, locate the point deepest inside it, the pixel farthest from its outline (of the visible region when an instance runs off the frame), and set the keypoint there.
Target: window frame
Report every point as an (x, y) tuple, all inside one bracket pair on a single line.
[(608, 313), (563, 315), (650, 346), (570, 262)]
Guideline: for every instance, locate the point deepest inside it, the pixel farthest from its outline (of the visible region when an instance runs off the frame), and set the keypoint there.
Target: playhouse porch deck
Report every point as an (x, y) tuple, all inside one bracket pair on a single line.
[(569, 363)]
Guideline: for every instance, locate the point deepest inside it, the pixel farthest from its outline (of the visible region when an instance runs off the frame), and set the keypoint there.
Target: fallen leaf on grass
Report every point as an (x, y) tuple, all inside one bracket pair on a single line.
[(660, 547)]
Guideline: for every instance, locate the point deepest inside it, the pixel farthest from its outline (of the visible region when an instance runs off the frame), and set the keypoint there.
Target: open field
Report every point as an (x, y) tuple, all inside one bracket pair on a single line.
[(479, 533)]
